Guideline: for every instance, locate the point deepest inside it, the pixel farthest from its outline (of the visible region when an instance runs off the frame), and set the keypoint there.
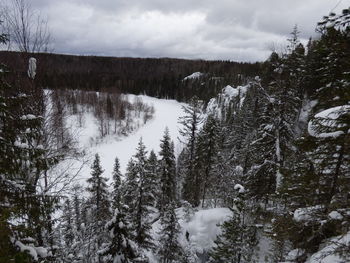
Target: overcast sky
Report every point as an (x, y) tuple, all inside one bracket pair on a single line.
[(239, 30)]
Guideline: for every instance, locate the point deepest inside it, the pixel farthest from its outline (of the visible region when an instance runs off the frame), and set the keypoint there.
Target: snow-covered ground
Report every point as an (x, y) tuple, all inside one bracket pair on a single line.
[(202, 227), (327, 255), (166, 114)]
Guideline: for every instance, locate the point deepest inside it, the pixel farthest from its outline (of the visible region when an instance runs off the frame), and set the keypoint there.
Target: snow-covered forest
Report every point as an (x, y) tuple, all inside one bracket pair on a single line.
[(260, 172)]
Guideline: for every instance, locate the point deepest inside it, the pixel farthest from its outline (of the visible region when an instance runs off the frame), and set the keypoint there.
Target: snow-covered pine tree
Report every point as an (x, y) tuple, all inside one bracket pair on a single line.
[(328, 140), (129, 190), (170, 250), (275, 136), (68, 232), (79, 221), (206, 155), (180, 173), (116, 175), (9, 189), (190, 125), (167, 171), (261, 175), (153, 175), (99, 208), (318, 182), (143, 201), (238, 239), (77, 203), (23, 161), (120, 248)]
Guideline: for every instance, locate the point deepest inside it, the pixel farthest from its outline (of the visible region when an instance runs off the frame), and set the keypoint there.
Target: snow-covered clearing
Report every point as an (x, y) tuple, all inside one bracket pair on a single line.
[(166, 114)]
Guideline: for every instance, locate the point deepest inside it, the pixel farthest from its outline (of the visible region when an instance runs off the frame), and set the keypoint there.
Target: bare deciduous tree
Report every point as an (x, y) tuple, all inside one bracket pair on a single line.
[(27, 30)]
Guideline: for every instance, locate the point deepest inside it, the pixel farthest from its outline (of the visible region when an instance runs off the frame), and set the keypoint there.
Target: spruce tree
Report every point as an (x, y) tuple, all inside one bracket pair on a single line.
[(238, 239), (170, 250), (129, 190), (23, 162), (69, 250), (190, 122), (99, 207), (141, 217), (120, 248), (167, 170), (206, 155), (116, 174), (318, 179), (154, 179)]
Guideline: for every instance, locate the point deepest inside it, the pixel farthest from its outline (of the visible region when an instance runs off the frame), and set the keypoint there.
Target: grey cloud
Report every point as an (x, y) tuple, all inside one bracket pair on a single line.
[(221, 29)]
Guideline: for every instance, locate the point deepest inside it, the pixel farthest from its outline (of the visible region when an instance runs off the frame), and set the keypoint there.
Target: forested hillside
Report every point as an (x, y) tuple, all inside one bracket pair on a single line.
[(267, 157), (161, 78)]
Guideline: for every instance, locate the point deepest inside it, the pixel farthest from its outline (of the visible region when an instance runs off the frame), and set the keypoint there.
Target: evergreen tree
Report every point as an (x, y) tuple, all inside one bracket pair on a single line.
[(190, 122), (68, 228), (167, 170), (120, 249), (275, 136), (318, 179), (23, 161), (141, 220), (99, 207), (238, 239), (77, 203), (170, 250), (116, 183), (206, 155), (153, 175), (69, 234), (129, 190)]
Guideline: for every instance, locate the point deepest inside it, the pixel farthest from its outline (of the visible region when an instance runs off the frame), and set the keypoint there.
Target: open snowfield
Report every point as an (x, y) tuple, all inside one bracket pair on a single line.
[(166, 114)]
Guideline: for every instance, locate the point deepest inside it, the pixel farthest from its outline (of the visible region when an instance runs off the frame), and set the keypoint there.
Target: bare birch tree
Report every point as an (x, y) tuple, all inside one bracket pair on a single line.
[(27, 30)]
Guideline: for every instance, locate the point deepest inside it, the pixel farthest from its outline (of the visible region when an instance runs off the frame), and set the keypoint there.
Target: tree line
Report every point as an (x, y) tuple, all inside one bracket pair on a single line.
[(155, 77)]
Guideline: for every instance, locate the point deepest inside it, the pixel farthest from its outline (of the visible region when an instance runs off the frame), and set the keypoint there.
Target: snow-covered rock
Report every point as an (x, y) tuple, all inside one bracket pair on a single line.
[(195, 75), (335, 215), (218, 105)]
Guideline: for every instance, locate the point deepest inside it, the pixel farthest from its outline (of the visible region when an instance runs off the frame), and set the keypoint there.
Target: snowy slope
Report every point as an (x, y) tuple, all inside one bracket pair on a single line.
[(166, 114), (202, 226)]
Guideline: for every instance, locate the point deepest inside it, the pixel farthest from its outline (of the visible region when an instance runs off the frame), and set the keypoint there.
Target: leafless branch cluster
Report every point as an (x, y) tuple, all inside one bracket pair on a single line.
[(27, 30)]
